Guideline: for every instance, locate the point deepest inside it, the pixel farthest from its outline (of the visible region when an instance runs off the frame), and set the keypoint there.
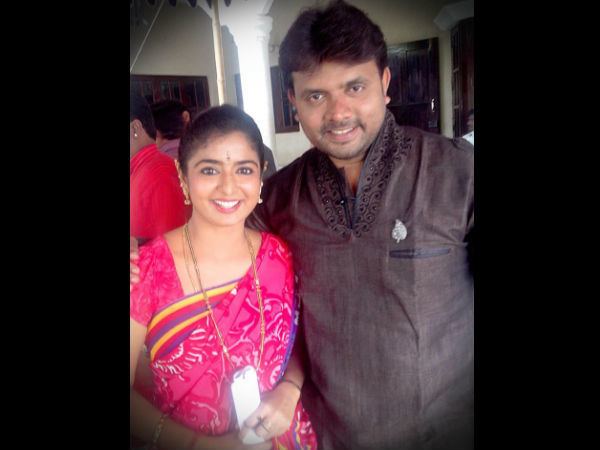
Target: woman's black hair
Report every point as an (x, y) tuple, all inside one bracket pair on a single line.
[(219, 121)]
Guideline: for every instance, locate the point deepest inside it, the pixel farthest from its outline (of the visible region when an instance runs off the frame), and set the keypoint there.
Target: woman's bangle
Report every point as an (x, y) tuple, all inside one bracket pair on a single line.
[(157, 430), (285, 380)]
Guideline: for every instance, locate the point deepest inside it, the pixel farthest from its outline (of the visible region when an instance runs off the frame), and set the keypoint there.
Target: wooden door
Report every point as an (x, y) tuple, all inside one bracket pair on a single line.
[(415, 88), (462, 39)]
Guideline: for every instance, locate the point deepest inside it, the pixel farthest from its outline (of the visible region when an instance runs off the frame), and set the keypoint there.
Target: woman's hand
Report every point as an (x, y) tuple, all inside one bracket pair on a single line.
[(274, 415)]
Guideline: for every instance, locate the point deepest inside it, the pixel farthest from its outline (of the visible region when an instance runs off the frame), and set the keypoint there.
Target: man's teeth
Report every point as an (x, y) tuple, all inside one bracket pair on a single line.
[(226, 205), (347, 130)]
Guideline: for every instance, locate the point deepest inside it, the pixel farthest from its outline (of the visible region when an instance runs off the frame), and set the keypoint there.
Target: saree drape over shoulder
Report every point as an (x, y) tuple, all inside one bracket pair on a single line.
[(191, 374)]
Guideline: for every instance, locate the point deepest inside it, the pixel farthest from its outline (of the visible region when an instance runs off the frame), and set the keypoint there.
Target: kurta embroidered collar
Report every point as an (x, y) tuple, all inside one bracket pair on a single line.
[(386, 152)]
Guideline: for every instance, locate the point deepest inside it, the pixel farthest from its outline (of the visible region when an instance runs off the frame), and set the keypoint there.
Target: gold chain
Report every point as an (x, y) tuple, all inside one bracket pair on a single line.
[(187, 263), (258, 294)]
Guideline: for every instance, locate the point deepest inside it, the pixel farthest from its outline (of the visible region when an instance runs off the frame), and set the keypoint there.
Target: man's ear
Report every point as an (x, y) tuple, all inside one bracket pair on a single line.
[(386, 77), (291, 96), (292, 99)]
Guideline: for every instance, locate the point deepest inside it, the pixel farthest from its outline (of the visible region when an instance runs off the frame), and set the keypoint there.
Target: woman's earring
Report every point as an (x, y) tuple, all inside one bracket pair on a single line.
[(135, 135), (186, 195), (260, 200)]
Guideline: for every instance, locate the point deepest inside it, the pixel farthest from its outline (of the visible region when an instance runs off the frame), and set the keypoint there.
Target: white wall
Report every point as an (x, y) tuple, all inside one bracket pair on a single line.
[(289, 147), (231, 64)]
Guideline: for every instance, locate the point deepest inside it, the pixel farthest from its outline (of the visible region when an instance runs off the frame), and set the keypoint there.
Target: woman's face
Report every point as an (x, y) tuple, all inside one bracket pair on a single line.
[(223, 180)]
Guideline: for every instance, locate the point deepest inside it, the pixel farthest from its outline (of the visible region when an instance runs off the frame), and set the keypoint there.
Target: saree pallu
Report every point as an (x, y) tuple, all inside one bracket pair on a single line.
[(192, 376)]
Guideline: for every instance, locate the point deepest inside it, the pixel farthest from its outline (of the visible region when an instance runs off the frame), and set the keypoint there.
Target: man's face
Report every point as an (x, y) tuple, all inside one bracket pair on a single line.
[(341, 107)]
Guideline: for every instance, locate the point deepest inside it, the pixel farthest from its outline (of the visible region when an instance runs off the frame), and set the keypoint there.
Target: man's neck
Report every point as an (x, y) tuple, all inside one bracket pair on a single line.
[(160, 141), (351, 173), (351, 168)]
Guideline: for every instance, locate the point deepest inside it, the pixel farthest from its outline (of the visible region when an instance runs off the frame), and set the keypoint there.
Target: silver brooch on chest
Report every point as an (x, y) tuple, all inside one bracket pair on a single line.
[(399, 231)]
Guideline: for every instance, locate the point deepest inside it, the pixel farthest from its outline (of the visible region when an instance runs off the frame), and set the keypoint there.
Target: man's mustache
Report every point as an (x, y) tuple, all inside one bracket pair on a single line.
[(344, 125)]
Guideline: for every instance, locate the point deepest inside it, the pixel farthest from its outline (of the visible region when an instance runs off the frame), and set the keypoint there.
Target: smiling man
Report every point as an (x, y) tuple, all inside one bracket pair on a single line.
[(341, 107), (378, 217)]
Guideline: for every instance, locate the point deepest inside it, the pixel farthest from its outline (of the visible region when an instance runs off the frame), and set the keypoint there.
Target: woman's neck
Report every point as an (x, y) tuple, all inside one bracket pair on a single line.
[(217, 243)]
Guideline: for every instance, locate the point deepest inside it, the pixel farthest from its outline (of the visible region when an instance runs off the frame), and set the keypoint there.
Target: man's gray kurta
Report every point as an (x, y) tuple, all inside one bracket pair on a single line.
[(388, 321)]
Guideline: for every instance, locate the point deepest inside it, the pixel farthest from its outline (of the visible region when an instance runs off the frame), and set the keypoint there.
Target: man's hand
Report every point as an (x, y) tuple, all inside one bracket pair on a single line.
[(134, 270)]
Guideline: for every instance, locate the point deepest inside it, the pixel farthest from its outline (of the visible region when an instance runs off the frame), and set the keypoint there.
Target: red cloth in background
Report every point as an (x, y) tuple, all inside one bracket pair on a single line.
[(155, 196)]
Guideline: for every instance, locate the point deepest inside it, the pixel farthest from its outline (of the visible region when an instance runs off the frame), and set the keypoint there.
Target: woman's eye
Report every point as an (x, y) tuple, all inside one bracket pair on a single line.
[(208, 171), (245, 171)]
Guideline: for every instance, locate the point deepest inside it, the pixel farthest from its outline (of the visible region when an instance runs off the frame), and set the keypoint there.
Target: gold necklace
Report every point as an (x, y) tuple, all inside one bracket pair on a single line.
[(187, 263), (258, 294)]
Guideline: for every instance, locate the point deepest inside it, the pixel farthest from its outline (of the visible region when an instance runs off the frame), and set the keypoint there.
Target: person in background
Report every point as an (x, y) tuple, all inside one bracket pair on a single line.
[(171, 118), (156, 203)]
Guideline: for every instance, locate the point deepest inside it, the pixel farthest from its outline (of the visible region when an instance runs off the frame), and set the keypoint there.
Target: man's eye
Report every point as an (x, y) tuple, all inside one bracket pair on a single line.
[(315, 97), (208, 171), (357, 88)]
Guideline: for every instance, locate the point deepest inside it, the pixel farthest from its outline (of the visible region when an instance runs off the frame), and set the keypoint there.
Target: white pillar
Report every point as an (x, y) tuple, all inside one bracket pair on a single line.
[(218, 46), (250, 30)]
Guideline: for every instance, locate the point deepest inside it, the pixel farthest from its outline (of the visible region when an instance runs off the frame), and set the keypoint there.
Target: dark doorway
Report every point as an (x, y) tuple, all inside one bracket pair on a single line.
[(463, 74), (415, 88)]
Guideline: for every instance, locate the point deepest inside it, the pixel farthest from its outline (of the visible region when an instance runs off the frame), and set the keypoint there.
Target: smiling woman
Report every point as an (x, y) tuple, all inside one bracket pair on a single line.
[(223, 180), (215, 298), (221, 161)]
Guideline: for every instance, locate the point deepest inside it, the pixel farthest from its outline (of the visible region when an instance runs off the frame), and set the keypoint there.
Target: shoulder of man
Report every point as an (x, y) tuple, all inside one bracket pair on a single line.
[(435, 145)]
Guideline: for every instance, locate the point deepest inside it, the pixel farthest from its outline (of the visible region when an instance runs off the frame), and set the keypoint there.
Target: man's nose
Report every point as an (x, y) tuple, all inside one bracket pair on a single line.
[(339, 109)]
